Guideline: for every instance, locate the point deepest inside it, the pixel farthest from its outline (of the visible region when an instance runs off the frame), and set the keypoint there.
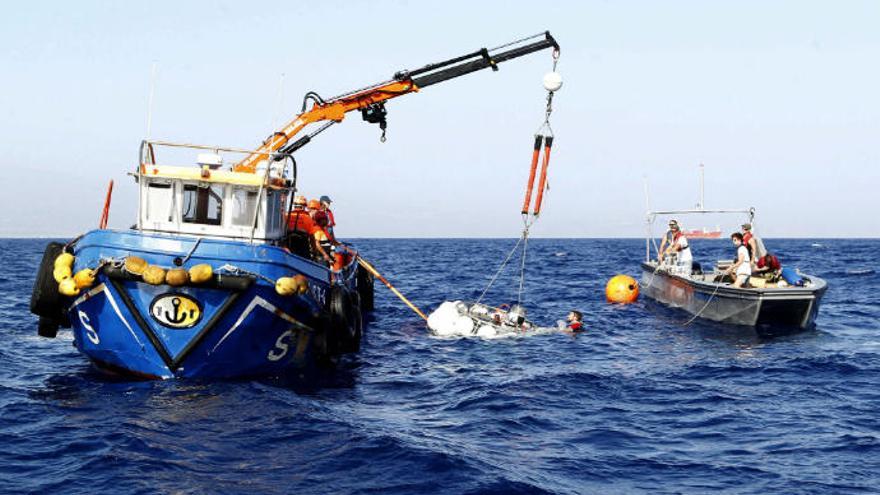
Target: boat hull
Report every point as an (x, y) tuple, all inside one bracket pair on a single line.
[(788, 307), (233, 327)]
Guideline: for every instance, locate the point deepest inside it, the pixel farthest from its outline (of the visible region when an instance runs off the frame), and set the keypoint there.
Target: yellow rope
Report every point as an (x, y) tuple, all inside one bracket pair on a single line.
[(396, 292)]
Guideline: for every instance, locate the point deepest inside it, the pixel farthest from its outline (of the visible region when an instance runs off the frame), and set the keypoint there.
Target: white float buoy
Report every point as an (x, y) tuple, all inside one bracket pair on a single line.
[(552, 81)]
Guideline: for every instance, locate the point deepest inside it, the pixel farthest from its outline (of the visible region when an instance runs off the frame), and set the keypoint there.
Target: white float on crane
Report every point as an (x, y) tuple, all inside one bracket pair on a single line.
[(552, 81)]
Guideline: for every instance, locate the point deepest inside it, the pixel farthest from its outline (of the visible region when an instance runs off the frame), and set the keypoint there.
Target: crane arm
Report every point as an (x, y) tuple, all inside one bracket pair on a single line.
[(370, 100)]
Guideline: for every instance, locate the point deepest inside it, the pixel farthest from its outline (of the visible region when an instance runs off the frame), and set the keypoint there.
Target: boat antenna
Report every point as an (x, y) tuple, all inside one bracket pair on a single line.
[(150, 100), (648, 220), (702, 186)]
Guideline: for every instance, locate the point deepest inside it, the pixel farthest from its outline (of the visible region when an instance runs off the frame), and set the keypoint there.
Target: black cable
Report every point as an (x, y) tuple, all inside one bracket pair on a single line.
[(311, 95)]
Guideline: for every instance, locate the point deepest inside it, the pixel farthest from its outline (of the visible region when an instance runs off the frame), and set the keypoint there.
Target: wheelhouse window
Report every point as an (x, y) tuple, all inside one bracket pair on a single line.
[(160, 202), (203, 204), (244, 204), (273, 217)]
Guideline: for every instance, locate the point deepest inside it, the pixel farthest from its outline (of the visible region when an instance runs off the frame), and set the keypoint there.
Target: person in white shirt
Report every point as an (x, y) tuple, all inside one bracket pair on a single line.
[(666, 241), (741, 269), (684, 260)]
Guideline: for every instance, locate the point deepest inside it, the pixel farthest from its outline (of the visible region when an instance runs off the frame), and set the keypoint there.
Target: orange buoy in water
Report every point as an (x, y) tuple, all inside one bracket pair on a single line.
[(622, 289)]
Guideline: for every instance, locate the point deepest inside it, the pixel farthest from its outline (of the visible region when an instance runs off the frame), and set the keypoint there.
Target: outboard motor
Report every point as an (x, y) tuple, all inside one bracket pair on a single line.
[(516, 315)]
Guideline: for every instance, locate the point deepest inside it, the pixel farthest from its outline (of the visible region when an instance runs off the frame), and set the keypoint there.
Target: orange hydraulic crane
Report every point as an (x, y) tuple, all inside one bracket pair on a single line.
[(371, 100)]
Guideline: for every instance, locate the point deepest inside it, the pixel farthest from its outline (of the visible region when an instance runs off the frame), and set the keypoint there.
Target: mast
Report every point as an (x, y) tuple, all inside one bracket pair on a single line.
[(702, 189)]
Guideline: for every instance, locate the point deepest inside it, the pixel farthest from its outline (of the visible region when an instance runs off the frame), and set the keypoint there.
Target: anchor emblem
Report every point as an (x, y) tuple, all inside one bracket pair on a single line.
[(179, 316), (176, 311)]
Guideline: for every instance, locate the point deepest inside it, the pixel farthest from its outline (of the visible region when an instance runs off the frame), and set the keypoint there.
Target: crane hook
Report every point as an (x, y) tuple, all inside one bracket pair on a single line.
[(376, 114)]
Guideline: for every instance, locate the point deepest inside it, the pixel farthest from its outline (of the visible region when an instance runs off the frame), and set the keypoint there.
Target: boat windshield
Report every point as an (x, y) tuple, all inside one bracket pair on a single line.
[(652, 216), (203, 203)]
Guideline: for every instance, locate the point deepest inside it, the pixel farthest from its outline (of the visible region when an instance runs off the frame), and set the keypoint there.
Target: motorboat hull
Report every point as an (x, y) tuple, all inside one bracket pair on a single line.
[(775, 307)]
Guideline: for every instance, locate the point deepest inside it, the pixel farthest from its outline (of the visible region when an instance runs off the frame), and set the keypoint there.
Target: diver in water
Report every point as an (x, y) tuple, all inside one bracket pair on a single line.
[(575, 322)]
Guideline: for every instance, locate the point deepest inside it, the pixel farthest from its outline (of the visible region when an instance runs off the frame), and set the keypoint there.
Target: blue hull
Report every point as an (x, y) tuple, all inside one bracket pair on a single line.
[(124, 324)]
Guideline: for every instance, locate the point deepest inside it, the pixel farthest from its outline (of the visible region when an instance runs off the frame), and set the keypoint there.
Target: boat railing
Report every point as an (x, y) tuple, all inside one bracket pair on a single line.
[(278, 174), (651, 216), (147, 155)]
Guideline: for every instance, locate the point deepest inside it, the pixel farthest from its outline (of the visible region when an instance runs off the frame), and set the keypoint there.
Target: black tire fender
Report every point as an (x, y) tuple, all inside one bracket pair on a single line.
[(47, 327), (365, 287), (46, 301), (45, 298), (344, 330)]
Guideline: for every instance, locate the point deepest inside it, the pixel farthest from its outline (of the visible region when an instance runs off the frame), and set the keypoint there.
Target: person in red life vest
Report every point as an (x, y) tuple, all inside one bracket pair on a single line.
[(667, 240), (753, 243), (299, 219), (575, 322), (769, 267), (331, 221), (679, 250)]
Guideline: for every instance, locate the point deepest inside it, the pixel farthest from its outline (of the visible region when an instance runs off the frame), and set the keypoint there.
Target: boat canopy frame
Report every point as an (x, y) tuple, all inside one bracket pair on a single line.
[(650, 216), (274, 178)]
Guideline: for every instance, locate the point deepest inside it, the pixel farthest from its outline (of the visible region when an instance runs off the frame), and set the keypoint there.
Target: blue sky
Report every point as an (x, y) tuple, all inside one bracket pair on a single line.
[(778, 99)]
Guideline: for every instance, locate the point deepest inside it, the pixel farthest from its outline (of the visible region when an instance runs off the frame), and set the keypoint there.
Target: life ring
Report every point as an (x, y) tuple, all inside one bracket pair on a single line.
[(46, 301), (345, 322)]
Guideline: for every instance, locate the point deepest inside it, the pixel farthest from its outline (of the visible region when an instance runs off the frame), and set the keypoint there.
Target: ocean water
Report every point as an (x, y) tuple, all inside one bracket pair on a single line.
[(640, 403)]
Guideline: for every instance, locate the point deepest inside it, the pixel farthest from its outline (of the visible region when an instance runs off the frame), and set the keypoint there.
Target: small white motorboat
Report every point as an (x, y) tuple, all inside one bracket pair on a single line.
[(711, 296)]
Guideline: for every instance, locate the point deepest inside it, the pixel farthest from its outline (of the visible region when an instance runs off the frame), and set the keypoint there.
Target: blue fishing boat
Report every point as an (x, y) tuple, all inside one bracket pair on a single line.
[(261, 303), (215, 279)]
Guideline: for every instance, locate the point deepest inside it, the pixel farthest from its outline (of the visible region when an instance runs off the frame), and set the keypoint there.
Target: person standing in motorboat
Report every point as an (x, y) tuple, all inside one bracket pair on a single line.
[(684, 260), (667, 239), (741, 269), (753, 243)]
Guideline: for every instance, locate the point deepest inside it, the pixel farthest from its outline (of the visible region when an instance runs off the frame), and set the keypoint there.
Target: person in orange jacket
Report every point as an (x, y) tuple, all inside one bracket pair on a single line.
[(314, 206), (299, 219)]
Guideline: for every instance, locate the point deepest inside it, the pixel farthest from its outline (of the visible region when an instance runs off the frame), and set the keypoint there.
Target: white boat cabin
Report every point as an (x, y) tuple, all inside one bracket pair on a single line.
[(209, 202)]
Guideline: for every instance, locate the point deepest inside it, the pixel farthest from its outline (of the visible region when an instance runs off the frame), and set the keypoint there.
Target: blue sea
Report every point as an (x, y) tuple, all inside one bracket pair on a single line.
[(640, 403)]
